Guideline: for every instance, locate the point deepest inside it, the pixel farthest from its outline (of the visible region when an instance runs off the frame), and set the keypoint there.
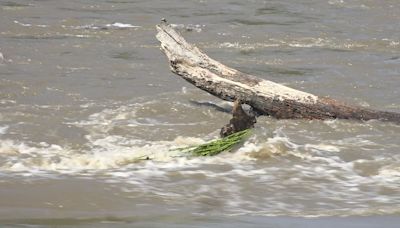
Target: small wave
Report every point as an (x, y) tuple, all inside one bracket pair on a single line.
[(105, 154), (390, 172), (115, 25), (105, 150), (281, 175), (29, 25), (3, 101), (329, 43), (122, 25), (100, 27), (189, 27), (274, 146), (348, 4), (3, 129), (1, 58)]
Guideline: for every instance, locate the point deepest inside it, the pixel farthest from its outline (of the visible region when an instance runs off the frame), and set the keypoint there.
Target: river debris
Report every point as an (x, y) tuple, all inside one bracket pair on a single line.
[(264, 96), (218, 146)]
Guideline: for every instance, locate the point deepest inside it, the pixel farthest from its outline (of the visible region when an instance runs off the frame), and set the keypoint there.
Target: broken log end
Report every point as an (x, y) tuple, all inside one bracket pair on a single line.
[(240, 121)]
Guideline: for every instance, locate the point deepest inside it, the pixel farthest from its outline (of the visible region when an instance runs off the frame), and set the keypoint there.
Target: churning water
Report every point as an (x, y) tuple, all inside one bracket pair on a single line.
[(90, 115)]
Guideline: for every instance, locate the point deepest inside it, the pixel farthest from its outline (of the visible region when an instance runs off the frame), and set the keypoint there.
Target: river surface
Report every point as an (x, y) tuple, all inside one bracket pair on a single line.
[(86, 95)]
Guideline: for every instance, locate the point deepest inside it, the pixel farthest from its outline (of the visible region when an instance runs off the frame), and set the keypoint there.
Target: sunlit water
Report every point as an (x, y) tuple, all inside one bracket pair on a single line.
[(91, 116)]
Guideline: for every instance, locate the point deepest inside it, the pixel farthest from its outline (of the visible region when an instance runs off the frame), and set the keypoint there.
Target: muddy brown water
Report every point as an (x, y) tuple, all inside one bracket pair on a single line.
[(85, 94)]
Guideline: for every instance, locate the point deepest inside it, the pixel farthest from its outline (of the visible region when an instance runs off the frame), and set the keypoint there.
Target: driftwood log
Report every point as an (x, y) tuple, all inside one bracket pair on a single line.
[(266, 97)]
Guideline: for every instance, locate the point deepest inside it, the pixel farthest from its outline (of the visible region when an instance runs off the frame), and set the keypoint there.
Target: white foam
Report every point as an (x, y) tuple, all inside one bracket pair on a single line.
[(189, 27), (108, 152), (29, 25), (322, 147), (303, 42), (23, 24), (390, 173), (122, 25), (3, 129), (7, 147), (329, 180), (78, 27)]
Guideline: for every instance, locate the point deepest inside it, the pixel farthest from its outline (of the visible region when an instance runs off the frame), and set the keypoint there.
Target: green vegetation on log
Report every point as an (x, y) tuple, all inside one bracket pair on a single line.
[(217, 146)]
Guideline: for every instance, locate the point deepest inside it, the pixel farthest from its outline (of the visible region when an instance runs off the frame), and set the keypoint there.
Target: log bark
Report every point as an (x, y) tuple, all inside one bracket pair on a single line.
[(266, 97)]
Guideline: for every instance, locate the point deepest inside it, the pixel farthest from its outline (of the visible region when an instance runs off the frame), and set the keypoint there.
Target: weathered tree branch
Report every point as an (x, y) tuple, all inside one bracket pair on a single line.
[(266, 97)]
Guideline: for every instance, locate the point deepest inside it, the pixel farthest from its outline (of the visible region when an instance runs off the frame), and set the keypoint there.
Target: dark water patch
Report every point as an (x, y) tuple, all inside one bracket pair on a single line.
[(281, 51), (270, 10), (283, 11), (244, 221), (248, 51), (211, 105), (157, 220), (51, 222), (95, 10), (129, 55), (13, 4), (279, 71), (214, 13), (125, 55), (340, 50), (40, 37), (257, 22), (119, 2), (394, 58), (66, 53), (293, 71)]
